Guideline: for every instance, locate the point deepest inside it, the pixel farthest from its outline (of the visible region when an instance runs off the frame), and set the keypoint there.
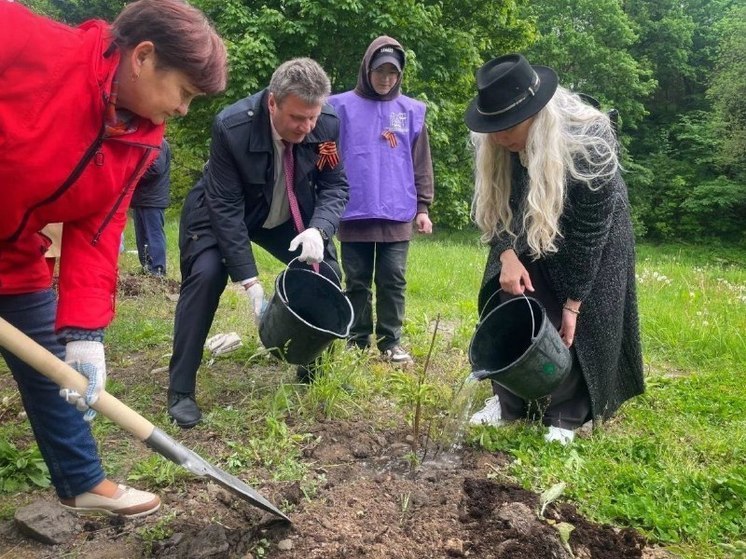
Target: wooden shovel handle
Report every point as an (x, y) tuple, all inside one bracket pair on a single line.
[(64, 375)]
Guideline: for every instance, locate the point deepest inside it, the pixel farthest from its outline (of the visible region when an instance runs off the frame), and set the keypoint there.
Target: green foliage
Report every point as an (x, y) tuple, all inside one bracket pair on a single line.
[(665, 30), (444, 44), (159, 531), (728, 91), (21, 469), (278, 450), (600, 34), (157, 471), (74, 12), (685, 196), (653, 61)]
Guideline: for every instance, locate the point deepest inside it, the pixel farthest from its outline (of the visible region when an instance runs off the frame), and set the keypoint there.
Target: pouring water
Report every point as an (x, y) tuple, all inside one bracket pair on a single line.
[(454, 424)]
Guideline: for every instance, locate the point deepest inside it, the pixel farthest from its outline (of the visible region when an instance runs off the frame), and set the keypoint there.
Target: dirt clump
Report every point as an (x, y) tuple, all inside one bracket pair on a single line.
[(134, 285)]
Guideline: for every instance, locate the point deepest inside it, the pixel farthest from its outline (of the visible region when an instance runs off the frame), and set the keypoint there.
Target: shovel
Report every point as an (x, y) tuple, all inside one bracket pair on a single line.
[(63, 374)]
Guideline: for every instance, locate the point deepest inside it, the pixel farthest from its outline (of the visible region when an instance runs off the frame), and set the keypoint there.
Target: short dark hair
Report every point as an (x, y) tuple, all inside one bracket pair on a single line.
[(184, 40)]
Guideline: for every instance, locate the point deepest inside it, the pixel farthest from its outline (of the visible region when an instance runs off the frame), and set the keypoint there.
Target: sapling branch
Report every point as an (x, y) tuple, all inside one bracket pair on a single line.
[(421, 391)]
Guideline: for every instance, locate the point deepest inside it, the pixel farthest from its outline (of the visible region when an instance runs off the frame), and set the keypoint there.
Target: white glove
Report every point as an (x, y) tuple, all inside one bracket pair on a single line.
[(313, 246), (88, 359), (256, 296), (223, 343)]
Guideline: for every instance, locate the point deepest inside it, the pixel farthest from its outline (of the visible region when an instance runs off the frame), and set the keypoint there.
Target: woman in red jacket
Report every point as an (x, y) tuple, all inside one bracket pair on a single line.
[(82, 113)]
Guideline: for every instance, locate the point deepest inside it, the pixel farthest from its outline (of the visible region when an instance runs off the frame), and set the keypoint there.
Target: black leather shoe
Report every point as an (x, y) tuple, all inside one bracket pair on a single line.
[(183, 409)]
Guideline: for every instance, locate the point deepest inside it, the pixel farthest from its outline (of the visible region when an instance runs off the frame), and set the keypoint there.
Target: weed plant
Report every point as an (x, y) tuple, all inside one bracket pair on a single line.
[(670, 463)]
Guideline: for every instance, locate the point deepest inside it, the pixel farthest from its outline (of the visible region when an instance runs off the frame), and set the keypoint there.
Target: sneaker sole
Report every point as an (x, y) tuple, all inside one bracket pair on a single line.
[(107, 512)]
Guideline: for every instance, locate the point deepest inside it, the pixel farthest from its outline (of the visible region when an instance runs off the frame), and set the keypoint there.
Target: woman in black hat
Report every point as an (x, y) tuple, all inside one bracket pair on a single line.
[(550, 200)]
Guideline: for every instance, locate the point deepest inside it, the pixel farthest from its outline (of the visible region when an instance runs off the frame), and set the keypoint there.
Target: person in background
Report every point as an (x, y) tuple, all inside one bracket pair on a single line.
[(274, 178), (149, 202), (82, 114), (550, 201), (386, 151)]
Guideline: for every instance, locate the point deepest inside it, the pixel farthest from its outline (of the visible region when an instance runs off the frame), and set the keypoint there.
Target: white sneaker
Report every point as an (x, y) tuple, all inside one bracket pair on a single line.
[(562, 436), (397, 355), (490, 414)]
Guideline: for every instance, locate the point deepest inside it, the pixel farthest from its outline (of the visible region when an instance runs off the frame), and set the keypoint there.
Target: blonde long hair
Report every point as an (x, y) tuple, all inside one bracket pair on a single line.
[(567, 140)]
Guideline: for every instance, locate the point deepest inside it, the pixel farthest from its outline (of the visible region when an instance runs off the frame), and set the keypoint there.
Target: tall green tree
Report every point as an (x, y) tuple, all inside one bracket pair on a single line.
[(588, 43), (680, 188), (727, 93), (74, 12), (445, 43)]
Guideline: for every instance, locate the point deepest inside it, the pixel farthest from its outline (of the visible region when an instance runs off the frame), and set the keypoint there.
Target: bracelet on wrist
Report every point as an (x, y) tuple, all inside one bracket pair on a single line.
[(250, 284), (573, 311)]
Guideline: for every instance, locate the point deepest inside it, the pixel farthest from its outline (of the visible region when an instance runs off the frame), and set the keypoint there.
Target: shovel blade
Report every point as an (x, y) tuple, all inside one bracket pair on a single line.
[(63, 374), (181, 455)]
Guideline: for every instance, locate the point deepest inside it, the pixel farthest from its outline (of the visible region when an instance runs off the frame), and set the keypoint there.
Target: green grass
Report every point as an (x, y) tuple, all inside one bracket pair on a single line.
[(670, 464)]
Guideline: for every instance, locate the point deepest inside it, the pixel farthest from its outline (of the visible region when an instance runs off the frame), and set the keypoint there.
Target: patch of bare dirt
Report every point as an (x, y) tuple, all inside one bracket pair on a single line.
[(371, 505), (132, 285)]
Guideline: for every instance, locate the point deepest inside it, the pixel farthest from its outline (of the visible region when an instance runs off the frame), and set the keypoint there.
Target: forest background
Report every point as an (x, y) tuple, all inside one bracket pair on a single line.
[(675, 71)]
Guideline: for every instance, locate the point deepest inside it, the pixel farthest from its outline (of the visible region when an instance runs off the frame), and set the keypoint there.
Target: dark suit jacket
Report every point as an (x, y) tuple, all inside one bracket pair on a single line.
[(154, 188), (232, 199)]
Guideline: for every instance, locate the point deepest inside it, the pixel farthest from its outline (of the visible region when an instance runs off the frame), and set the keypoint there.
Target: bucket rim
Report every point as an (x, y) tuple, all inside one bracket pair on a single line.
[(285, 301), (522, 357)]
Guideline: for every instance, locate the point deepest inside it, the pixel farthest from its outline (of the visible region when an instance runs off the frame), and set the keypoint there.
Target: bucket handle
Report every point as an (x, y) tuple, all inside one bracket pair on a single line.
[(530, 310), (284, 290)]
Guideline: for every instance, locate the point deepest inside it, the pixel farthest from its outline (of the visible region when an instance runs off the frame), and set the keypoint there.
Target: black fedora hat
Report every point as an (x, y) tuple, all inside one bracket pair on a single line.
[(509, 90)]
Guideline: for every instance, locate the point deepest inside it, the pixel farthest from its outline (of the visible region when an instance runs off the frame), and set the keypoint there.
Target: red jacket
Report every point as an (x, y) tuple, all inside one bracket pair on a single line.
[(56, 166)]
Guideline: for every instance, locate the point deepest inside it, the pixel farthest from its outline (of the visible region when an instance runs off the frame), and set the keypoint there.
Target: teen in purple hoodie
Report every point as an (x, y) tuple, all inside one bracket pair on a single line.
[(386, 151)]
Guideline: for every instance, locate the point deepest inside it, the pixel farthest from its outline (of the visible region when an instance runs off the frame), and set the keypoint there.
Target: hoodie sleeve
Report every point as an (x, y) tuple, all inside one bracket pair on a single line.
[(424, 181)]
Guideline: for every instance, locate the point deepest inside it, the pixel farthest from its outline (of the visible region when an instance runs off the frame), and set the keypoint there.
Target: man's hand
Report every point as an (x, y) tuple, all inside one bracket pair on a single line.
[(255, 292), (88, 359), (313, 246)]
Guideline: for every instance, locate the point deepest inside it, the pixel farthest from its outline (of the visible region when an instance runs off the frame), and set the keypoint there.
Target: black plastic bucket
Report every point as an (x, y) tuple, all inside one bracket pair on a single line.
[(518, 347), (306, 313)]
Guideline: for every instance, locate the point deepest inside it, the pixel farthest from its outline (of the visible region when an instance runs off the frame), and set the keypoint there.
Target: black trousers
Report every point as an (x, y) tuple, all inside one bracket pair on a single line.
[(203, 280), (569, 405), (386, 265)]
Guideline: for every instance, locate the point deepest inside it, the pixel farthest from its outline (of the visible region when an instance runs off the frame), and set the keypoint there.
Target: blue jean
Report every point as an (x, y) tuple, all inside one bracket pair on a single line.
[(386, 265), (65, 440), (150, 238)]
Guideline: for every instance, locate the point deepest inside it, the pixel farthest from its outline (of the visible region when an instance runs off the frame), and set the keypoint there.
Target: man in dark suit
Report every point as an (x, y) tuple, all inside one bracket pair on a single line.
[(283, 135)]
